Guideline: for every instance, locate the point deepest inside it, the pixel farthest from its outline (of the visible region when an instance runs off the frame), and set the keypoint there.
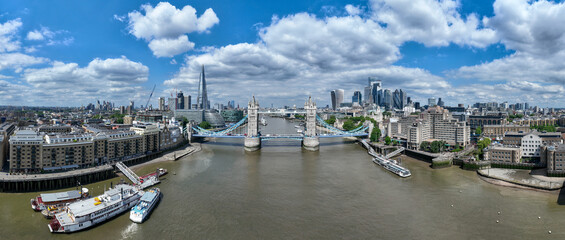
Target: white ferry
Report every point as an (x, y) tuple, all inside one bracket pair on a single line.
[(263, 121), (148, 201), (392, 166), (87, 213)]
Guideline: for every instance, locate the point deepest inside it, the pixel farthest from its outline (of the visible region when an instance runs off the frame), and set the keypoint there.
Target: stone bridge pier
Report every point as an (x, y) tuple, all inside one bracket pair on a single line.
[(311, 141), (252, 141)]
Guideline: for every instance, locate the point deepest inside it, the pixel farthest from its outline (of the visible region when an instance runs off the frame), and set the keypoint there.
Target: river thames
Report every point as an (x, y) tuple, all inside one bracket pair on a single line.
[(285, 192)]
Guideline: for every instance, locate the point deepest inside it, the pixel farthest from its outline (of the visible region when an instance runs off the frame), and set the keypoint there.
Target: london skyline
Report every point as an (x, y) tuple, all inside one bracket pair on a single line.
[(461, 51)]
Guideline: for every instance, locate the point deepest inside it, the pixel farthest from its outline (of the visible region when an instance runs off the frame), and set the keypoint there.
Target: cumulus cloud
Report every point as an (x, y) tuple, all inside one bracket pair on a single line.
[(118, 79), (18, 60), (8, 40), (432, 22), (165, 24), (352, 10), (536, 70), (166, 47)]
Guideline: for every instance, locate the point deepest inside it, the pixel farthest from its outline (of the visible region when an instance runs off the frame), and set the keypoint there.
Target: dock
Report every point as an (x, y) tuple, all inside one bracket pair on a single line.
[(135, 179)]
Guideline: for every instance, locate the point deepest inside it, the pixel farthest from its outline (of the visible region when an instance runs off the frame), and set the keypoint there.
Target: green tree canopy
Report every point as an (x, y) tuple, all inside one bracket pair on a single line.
[(205, 125), (479, 131), (387, 140), (331, 120)]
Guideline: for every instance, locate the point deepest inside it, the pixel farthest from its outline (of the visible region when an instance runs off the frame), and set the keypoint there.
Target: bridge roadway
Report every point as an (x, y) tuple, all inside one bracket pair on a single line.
[(288, 136)]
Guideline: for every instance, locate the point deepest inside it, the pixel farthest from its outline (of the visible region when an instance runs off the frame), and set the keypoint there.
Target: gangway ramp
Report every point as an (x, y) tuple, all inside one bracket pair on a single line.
[(397, 151), (129, 173)]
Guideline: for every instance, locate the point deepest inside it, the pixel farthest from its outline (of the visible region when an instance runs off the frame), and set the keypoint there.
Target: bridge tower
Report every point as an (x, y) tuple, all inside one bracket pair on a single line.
[(310, 141), (252, 141)]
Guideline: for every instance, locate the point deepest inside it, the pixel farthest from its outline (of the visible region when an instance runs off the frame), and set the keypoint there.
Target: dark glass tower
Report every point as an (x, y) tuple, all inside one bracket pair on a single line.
[(202, 100)]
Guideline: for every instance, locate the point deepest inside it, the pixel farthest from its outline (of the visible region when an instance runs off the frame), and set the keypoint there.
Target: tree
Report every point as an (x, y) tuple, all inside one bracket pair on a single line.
[(331, 121), (479, 131), (436, 146), (387, 140), (205, 125), (424, 146), (375, 134), (348, 125), (183, 121)]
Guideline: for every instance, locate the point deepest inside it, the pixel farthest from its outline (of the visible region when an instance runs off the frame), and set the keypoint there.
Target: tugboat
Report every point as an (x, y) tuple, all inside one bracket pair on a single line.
[(90, 212), (139, 212)]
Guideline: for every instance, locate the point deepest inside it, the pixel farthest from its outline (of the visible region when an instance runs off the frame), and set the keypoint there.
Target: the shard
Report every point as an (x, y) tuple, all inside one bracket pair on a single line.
[(202, 101)]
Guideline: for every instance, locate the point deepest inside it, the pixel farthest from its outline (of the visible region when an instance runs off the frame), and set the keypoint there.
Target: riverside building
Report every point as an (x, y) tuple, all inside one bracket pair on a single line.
[(34, 151), (436, 123), (498, 131)]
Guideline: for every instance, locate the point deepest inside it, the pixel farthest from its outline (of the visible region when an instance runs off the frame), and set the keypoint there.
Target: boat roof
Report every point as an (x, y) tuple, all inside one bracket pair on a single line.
[(85, 207), (60, 196), (149, 196)]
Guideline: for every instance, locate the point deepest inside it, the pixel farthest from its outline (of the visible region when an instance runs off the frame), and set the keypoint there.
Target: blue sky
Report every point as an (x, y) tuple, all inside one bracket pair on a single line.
[(70, 53)]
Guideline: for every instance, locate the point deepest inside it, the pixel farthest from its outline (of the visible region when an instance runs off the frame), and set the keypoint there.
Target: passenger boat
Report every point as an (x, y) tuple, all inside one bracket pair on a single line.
[(263, 121), (139, 212), (392, 166), (55, 200), (89, 212)]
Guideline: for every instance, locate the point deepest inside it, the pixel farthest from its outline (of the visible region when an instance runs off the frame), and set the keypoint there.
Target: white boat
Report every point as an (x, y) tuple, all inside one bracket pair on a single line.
[(392, 166), (299, 130), (139, 212), (296, 126), (87, 213), (263, 121), (47, 201)]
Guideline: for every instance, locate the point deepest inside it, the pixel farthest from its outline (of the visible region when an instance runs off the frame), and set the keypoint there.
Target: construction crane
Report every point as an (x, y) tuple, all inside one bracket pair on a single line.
[(147, 104)]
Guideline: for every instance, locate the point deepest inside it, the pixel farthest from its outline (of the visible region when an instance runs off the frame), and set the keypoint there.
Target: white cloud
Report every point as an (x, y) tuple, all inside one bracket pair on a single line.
[(8, 40), (120, 18), (166, 47), (432, 22), (164, 24), (18, 60), (35, 35), (536, 71), (352, 10), (117, 79)]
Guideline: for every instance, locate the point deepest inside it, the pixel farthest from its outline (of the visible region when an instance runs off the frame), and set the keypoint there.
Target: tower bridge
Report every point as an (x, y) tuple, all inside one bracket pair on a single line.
[(248, 128)]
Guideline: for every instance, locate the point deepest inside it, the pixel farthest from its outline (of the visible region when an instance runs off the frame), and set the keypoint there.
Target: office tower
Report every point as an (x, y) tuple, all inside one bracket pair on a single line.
[(387, 99), (408, 100), (337, 98), (202, 99), (356, 97), (187, 102), (440, 102), (526, 106), (334, 99), (375, 89), (396, 102), (161, 104), (368, 96), (131, 104), (180, 100), (403, 99), (172, 104), (417, 105), (231, 104), (431, 102)]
